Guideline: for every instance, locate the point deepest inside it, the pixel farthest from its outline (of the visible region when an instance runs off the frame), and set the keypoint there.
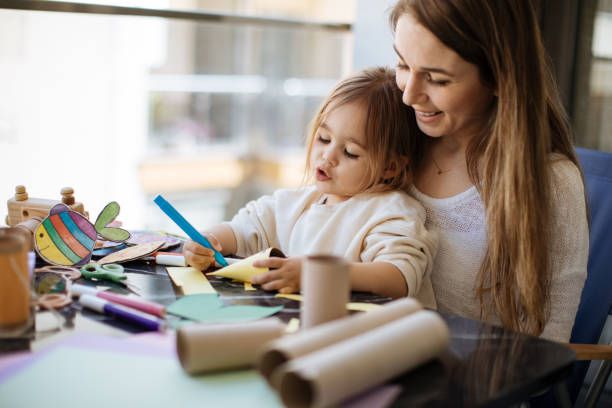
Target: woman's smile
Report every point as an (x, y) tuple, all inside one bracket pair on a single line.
[(427, 117)]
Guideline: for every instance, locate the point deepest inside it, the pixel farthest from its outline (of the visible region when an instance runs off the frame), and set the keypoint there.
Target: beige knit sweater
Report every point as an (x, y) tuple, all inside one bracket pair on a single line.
[(460, 222), (385, 227)]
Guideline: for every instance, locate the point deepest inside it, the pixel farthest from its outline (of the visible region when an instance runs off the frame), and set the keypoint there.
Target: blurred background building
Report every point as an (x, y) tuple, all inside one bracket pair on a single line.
[(210, 107), (124, 108), (128, 101)]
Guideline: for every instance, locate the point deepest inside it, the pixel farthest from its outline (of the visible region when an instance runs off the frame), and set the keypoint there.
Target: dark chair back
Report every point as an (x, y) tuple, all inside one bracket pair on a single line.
[(596, 300)]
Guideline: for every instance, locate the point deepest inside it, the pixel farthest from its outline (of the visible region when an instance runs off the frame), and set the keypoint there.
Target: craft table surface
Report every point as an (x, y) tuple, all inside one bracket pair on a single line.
[(485, 365)]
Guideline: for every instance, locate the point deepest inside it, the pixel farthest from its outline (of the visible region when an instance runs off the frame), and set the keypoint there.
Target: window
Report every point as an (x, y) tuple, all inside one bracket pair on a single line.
[(593, 84), (123, 107)]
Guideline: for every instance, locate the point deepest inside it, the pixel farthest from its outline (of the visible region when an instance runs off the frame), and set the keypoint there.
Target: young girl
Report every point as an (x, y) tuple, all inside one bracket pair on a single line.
[(359, 149)]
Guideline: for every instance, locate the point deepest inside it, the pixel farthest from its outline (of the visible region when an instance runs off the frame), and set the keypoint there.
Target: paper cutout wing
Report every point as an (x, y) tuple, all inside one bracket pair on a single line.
[(131, 253), (108, 215), (244, 269)]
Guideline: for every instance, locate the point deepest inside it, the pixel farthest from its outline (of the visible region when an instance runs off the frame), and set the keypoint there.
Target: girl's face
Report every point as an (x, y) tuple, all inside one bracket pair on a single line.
[(339, 160), (444, 89)]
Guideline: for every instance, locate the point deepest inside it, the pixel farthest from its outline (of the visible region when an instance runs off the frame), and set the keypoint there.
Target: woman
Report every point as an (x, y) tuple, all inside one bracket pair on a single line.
[(499, 177)]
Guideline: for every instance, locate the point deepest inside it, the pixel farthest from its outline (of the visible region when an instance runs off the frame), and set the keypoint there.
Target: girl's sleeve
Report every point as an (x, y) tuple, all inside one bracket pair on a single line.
[(255, 226), (569, 249), (401, 239)]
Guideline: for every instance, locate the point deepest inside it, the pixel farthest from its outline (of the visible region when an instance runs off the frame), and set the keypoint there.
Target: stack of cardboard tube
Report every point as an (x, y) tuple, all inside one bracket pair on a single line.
[(322, 365)]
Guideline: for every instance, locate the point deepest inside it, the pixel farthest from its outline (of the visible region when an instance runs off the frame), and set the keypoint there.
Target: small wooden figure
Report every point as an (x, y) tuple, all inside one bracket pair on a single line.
[(21, 207)]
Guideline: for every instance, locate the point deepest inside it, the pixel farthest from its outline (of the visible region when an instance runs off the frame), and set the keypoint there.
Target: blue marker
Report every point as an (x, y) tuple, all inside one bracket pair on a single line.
[(187, 227)]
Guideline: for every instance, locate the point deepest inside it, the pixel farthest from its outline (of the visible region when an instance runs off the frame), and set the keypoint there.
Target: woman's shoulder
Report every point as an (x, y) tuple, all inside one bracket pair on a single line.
[(567, 188), (565, 174)]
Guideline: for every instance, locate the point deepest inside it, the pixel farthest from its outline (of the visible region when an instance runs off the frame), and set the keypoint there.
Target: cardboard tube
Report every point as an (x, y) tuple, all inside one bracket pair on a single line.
[(14, 278), (326, 289), (209, 347), (307, 341), (345, 369)]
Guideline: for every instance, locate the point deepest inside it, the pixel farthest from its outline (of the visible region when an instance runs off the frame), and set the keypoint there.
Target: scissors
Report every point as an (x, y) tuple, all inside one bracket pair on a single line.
[(112, 272)]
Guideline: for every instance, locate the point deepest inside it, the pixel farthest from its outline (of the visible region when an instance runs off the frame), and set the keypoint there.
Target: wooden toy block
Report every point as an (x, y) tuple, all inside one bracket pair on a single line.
[(21, 207)]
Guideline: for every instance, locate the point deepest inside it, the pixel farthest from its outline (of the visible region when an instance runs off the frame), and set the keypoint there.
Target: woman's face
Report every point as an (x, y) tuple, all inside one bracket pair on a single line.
[(445, 90)]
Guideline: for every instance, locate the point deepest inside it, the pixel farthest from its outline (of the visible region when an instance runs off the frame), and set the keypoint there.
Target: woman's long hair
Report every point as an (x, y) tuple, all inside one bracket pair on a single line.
[(509, 161)]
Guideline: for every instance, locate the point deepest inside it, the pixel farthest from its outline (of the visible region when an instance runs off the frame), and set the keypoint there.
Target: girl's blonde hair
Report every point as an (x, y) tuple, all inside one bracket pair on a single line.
[(509, 162), (391, 132)]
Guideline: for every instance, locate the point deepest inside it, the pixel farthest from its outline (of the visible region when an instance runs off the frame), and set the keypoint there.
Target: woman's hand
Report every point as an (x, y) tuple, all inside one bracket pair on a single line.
[(284, 274), (198, 256)]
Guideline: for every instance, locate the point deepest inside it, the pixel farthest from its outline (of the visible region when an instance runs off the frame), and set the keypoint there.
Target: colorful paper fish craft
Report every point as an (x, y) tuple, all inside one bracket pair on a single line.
[(67, 238)]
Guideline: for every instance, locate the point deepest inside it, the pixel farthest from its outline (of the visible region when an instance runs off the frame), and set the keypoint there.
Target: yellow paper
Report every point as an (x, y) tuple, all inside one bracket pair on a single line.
[(244, 270), (293, 325), (248, 286), (292, 296), (359, 306), (363, 307), (190, 280)]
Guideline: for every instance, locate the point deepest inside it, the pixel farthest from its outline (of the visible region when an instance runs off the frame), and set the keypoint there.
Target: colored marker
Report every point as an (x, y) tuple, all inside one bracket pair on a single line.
[(122, 312), (187, 227), (169, 259), (144, 306)]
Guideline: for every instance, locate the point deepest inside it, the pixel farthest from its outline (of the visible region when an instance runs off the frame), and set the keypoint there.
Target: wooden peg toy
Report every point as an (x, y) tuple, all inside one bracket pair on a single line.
[(21, 207)]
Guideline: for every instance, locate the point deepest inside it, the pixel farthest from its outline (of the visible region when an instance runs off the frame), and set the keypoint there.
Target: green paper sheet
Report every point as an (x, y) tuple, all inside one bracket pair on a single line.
[(203, 302), (208, 308), (75, 377)]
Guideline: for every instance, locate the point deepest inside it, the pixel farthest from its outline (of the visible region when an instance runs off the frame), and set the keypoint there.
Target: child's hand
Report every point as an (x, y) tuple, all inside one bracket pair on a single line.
[(284, 274), (198, 256)]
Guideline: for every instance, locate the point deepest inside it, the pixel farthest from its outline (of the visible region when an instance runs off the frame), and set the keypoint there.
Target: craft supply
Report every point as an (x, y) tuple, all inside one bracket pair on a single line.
[(293, 325), (243, 270), (22, 207), (131, 253), (14, 279), (48, 282), (356, 306), (325, 285), (142, 237), (51, 301), (109, 375), (50, 295), (209, 308), (170, 259), (345, 369), (144, 306), (29, 227), (106, 250), (68, 271), (210, 347), (187, 227), (122, 312), (67, 238), (190, 281), (112, 272), (307, 341)]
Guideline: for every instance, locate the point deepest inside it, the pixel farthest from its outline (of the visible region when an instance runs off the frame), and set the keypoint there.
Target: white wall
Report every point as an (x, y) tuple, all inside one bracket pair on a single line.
[(372, 34)]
